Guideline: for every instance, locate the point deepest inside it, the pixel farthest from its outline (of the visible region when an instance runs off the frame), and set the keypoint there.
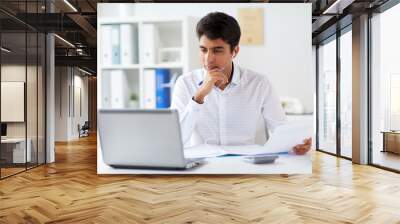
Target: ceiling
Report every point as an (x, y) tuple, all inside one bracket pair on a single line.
[(76, 22)]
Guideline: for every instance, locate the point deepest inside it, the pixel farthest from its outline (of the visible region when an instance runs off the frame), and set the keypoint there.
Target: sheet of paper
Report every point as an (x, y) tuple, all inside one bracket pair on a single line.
[(288, 135), (245, 150), (282, 140), (203, 151)]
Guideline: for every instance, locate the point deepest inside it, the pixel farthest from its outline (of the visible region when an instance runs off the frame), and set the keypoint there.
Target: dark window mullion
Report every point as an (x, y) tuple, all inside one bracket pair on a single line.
[(369, 90), (44, 78), (37, 90), (0, 93), (26, 87), (338, 98), (317, 96)]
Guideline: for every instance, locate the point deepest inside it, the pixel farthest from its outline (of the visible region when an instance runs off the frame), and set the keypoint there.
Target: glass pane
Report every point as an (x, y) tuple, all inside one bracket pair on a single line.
[(41, 98), (32, 85), (13, 86), (386, 89), (346, 93), (327, 96), (31, 101), (23, 88)]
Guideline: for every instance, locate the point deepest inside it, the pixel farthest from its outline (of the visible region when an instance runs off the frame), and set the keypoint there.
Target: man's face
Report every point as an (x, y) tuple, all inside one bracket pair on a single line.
[(215, 54)]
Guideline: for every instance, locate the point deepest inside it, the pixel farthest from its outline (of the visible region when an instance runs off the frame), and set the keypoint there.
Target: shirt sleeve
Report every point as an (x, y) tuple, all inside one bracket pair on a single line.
[(272, 110), (188, 109)]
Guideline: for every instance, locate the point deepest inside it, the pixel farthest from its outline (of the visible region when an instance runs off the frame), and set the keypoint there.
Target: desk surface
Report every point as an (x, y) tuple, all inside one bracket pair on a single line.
[(391, 132), (285, 164), (13, 140)]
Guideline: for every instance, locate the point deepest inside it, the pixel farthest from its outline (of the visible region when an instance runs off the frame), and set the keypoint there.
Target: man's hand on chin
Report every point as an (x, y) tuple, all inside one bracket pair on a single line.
[(302, 149)]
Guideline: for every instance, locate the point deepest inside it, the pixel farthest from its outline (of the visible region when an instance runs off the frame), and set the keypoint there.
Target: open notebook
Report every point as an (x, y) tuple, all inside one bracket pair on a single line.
[(282, 140)]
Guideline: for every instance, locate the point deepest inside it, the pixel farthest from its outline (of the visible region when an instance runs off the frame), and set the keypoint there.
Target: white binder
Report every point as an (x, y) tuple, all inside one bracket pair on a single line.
[(118, 89), (149, 44), (115, 45), (129, 44), (149, 89), (106, 45), (106, 89)]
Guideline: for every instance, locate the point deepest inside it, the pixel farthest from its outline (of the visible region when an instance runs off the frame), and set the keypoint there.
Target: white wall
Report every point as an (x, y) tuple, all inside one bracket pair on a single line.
[(285, 55), (80, 83), (34, 125), (15, 72), (61, 103), (67, 120)]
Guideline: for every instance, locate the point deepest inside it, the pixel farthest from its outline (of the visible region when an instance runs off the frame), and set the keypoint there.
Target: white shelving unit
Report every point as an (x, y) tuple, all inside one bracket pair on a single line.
[(167, 43), (121, 67)]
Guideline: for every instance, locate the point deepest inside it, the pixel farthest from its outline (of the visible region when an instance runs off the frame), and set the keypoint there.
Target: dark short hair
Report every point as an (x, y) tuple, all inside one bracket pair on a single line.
[(217, 25)]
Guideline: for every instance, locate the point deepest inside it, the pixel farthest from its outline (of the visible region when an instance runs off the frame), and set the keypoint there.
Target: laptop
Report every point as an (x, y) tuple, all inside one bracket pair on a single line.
[(149, 139)]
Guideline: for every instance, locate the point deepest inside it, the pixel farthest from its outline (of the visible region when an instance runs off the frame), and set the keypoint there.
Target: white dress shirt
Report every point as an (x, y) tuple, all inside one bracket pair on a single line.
[(229, 116)]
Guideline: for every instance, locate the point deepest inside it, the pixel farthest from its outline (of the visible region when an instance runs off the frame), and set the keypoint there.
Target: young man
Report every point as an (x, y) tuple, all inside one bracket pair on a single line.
[(223, 102)]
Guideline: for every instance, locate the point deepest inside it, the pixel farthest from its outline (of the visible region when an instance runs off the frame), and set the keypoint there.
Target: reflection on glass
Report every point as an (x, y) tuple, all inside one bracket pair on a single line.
[(346, 94), (386, 89), (14, 152), (41, 98), (22, 89), (327, 96), (31, 101)]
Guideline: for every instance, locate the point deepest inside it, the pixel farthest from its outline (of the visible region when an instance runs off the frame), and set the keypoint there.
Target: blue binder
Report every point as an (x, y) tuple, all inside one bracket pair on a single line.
[(163, 89)]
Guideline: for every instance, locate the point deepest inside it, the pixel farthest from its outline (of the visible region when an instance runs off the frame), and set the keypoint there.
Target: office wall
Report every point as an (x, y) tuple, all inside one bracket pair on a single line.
[(33, 126), (17, 73), (71, 102), (62, 80), (80, 110), (285, 55)]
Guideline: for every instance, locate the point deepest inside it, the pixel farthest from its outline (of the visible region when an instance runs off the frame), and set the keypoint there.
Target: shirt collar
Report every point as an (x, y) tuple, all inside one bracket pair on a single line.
[(236, 74)]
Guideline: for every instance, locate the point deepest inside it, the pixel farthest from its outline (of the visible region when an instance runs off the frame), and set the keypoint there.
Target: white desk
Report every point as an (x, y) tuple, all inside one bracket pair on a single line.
[(285, 164), (19, 155)]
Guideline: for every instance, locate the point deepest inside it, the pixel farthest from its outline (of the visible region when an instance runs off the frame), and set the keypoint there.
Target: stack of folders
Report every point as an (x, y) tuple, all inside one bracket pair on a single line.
[(119, 44), (157, 88)]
